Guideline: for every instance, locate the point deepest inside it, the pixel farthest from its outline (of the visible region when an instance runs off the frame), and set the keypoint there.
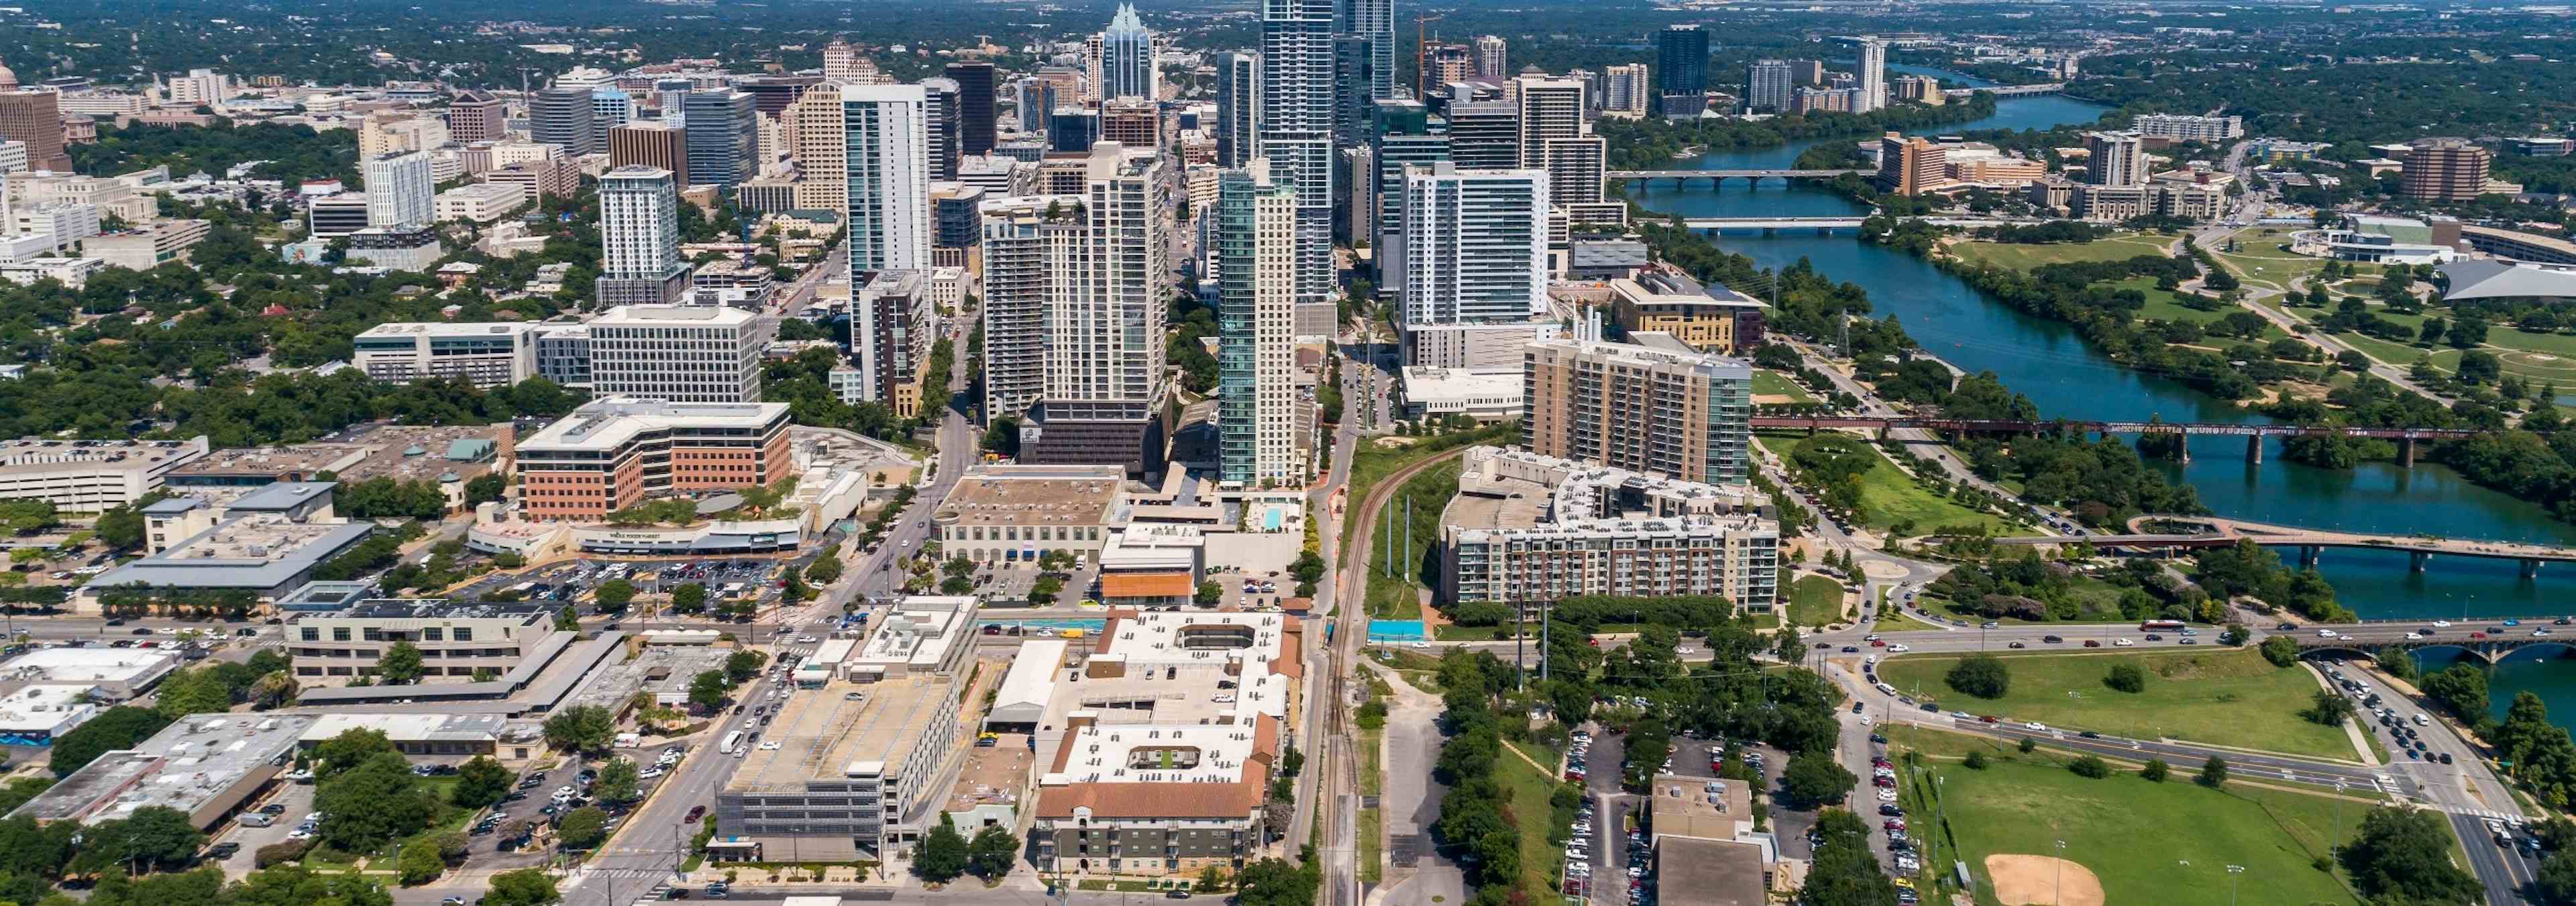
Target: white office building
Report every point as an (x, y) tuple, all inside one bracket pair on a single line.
[(490, 354), (639, 231), (1473, 252), (888, 170), (400, 190), (683, 355), (90, 476), (1873, 75), (1296, 125), (1017, 278)]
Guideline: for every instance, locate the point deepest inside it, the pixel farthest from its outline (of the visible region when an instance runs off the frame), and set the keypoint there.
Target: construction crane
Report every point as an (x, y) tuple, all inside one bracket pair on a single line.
[(1422, 54)]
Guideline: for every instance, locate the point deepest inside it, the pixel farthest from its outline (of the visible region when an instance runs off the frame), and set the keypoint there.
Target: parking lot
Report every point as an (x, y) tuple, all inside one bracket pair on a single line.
[(569, 581)]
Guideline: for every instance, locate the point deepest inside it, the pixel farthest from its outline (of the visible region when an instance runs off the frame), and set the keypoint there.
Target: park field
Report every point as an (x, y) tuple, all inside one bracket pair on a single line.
[(1767, 382), (2145, 842), (1889, 497), (2018, 256), (1815, 601), (2220, 696)]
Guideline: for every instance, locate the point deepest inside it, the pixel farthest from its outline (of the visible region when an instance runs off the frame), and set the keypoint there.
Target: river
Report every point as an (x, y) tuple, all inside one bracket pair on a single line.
[(2047, 362)]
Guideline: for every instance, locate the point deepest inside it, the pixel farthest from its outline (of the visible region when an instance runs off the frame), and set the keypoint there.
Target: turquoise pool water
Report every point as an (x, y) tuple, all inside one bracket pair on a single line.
[(1398, 631)]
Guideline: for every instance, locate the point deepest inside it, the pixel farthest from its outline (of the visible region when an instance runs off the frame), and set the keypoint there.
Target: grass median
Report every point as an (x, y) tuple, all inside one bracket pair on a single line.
[(2221, 696), (2142, 841)]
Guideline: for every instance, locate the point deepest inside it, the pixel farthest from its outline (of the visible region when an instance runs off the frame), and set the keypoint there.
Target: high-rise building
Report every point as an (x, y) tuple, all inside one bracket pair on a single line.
[(842, 65), (956, 224), (1403, 136), (1073, 130), (943, 108), (1446, 63), (566, 117), (819, 139), (770, 94), (400, 191), (1353, 54), (1109, 284), (1374, 20), (477, 116), (1127, 58), (2114, 159), (1254, 236), (639, 238), (2446, 169), (1767, 84), (1686, 415), (1092, 79), (199, 88), (611, 107), (1628, 88), (1131, 122), (646, 143), (1550, 109), (616, 452), (1911, 166), (888, 172), (892, 321), (2188, 128), (975, 114), (1484, 127), (684, 354), (1577, 170), (1473, 248), (1018, 276), (1681, 85), (1806, 72), (1297, 128), (1920, 89), (723, 137), (1873, 74), (1492, 58), (1238, 108)]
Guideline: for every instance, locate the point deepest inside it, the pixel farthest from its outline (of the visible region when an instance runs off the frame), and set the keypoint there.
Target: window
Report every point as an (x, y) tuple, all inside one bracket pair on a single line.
[(465, 633), (312, 634), (339, 633)]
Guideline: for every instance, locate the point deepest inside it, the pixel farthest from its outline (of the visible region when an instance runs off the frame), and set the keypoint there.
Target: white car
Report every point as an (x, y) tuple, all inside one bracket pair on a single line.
[(1872, 659), (1898, 648), (649, 773), (770, 746), (2325, 633), (2121, 643), (2441, 624), (1886, 795), (2036, 727), (1864, 720)]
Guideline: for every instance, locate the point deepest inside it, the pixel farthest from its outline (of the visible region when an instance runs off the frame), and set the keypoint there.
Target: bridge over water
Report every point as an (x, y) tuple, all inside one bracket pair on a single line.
[(1718, 178), (2190, 532), (2253, 432)]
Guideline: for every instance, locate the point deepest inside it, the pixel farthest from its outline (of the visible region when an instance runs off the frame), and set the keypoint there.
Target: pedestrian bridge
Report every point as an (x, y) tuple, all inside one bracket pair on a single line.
[(2187, 532), (2008, 91)]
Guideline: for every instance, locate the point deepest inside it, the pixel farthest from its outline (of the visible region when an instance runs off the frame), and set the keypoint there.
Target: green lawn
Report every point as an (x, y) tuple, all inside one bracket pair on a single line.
[(1528, 792), (1772, 383), (1815, 601), (1889, 496), (2220, 696), (2163, 305), (2135, 835), (1398, 596), (2262, 258), (1372, 464), (2026, 257)]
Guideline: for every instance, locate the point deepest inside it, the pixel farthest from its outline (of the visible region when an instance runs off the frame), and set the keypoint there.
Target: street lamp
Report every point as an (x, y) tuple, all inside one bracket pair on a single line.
[(2232, 872), (2057, 877)]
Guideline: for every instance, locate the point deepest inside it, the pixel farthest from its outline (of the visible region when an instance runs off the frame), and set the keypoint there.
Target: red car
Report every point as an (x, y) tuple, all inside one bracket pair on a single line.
[(2092, 643), (2477, 635), (1991, 719), (1876, 643)]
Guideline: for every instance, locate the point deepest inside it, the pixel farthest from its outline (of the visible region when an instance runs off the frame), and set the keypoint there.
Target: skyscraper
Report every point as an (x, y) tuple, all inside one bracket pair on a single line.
[(1628, 88), (1018, 273), (1474, 249), (723, 137), (1297, 128), (1403, 137), (612, 107), (2114, 159), (1484, 127), (944, 102), (1037, 100), (1873, 74), (1353, 55), (566, 117), (1256, 231), (1550, 108), (1446, 63), (1767, 86), (2445, 169), (822, 144), (1687, 415), (1127, 58), (842, 65), (400, 191), (476, 116), (1911, 166), (974, 105), (1491, 58), (1238, 108), (649, 144), (1681, 88), (639, 238), (1109, 285), (1374, 20), (887, 163)]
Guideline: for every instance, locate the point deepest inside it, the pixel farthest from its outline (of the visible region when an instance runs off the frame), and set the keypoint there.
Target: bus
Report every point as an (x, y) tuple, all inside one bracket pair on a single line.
[(733, 743), (2160, 625)]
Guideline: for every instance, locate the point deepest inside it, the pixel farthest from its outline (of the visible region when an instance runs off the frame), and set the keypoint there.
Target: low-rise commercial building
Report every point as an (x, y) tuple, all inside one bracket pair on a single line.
[(1705, 848), (490, 353), (1003, 513), (116, 673), (1710, 319), (91, 476), (845, 772), (1148, 566), (455, 639), (615, 453), (260, 556), (485, 202), (1484, 394), (35, 714), (149, 246), (205, 766), (920, 634), (1526, 530)]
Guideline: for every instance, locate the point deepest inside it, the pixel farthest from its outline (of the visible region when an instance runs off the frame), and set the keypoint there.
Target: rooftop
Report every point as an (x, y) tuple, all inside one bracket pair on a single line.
[(613, 422), (33, 455), (846, 730), (1702, 807), (420, 727), (2478, 278), (918, 632), (1671, 288), (1695, 872), (440, 609), (41, 708), (300, 459), (1634, 356), (134, 666), (448, 328), (186, 766), (259, 551), (1034, 495), (673, 315)]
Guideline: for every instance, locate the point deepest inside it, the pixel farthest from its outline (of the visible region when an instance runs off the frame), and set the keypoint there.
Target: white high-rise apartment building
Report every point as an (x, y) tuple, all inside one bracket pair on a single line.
[(2189, 128), (819, 139), (1768, 86), (2115, 159), (1127, 58), (886, 161), (1475, 245), (639, 233), (842, 65), (400, 190), (1017, 279), (1110, 282), (1255, 238), (1550, 108), (1492, 56), (1873, 74), (700, 354), (1629, 89), (199, 87), (1297, 128)]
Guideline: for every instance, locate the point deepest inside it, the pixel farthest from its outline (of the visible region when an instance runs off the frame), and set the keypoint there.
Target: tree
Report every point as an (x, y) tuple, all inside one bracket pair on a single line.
[(274, 689), (2126, 678), (943, 854), (618, 781), (486, 487), (2213, 773), (689, 598), (1976, 760), (153, 836), (583, 828), (583, 728), (400, 666), (121, 727), (1981, 675), (187, 692), (1209, 594), (348, 750), (480, 781), (421, 865), (741, 666), (2557, 879), (992, 852), (566, 620), (2403, 855), (2155, 770), (613, 595), (2461, 688), (1787, 646), (707, 690), (2089, 766), (1276, 882), (369, 805), (2281, 650), (825, 571), (2328, 708), (525, 887), (1814, 779)]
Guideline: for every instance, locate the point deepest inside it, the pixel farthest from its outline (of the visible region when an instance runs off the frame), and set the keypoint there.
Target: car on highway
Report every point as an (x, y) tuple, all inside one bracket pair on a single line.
[(2092, 643)]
